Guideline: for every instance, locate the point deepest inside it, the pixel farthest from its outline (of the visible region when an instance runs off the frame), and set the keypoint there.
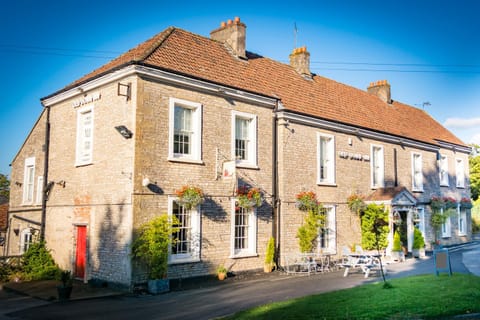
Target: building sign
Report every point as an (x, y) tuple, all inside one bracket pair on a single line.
[(89, 98), (354, 156)]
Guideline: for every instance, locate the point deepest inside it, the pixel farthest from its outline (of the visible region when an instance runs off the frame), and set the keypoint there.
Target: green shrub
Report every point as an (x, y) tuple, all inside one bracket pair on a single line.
[(374, 227), (397, 243), (38, 263), (418, 240)]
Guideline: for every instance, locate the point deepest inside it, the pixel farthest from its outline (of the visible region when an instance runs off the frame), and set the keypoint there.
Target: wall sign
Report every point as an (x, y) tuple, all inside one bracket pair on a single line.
[(89, 98), (354, 156)]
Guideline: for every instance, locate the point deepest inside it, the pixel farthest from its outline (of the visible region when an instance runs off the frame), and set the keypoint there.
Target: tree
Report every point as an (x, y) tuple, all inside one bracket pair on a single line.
[(4, 186), (474, 163)]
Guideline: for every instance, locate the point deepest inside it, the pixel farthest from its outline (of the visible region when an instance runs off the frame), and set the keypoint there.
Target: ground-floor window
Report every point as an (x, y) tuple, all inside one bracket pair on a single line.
[(462, 222), (447, 228), (186, 241), (25, 240), (326, 241), (244, 231)]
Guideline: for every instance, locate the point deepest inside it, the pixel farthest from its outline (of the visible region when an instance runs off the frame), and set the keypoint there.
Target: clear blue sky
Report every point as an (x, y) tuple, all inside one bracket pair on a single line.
[(429, 50)]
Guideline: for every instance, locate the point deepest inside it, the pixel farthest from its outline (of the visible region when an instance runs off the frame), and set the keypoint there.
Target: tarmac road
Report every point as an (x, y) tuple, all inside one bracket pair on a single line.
[(222, 300)]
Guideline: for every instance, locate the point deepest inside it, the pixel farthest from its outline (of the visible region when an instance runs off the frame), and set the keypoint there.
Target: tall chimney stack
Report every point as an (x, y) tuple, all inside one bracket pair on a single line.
[(232, 33), (300, 61), (381, 89)]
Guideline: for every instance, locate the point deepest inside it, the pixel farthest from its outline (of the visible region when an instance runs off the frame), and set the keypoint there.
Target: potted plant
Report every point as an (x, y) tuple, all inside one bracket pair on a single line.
[(397, 252), (65, 288), (221, 272), (356, 204), (189, 196), (418, 244), (306, 201), (151, 248), (269, 256)]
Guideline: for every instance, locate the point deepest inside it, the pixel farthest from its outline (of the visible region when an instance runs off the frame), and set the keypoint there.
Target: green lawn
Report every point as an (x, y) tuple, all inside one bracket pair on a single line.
[(424, 297)]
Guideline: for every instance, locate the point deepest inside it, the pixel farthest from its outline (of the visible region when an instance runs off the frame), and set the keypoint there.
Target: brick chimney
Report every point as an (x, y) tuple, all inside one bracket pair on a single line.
[(300, 61), (232, 33), (381, 89)]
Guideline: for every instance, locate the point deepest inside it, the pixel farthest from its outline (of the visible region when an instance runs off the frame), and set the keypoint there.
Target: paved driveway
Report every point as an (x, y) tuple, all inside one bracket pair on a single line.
[(225, 299)]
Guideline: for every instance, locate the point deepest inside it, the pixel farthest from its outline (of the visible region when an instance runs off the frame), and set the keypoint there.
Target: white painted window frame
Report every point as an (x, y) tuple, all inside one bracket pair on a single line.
[(462, 221), (24, 245), (29, 181), (195, 155), (447, 227), (196, 241), (417, 169), (331, 226), (251, 251), (443, 171), (252, 159), (330, 159), (84, 156), (381, 166), (39, 197), (460, 172)]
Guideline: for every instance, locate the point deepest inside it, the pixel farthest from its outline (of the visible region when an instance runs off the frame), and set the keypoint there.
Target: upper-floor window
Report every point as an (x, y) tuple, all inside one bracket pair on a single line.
[(460, 172), (417, 172), (28, 180), (84, 154), (244, 231), (185, 136), (326, 159), (377, 167), (39, 196), (186, 244), (443, 167), (244, 138)]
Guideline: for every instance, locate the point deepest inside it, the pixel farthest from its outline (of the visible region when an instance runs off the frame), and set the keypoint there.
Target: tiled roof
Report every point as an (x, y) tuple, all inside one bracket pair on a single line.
[(3, 216), (384, 194), (180, 51)]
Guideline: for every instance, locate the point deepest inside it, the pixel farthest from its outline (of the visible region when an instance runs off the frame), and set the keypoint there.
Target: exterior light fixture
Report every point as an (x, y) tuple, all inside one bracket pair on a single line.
[(127, 134), (397, 219)]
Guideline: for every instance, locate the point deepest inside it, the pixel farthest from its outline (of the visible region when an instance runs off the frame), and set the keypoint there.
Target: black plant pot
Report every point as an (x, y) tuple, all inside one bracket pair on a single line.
[(64, 293)]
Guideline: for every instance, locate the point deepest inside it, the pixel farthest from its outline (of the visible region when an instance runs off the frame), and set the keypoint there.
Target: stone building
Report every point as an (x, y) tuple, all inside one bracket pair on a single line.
[(180, 109)]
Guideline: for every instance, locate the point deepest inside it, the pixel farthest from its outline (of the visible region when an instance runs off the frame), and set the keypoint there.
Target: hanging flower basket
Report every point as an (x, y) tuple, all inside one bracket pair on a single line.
[(437, 203), (466, 203), (189, 196), (450, 203), (306, 201), (355, 203), (249, 197)]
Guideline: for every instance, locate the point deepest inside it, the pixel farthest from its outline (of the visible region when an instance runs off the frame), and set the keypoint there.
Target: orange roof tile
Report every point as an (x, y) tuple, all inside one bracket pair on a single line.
[(180, 51)]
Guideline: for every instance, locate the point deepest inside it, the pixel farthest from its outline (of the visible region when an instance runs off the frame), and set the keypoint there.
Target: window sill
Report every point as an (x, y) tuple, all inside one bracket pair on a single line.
[(243, 255), (185, 160), (418, 190), (444, 185), (183, 260), (327, 184), (247, 166), (460, 187)]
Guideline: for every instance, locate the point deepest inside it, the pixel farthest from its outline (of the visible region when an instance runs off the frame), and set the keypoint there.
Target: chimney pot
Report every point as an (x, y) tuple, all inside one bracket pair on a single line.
[(381, 89), (300, 61), (233, 35)]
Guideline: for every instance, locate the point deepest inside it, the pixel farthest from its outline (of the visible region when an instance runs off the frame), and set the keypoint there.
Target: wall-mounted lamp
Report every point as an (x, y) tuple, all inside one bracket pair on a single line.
[(61, 183), (286, 124), (145, 182), (16, 231), (124, 90), (127, 134), (18, 184)]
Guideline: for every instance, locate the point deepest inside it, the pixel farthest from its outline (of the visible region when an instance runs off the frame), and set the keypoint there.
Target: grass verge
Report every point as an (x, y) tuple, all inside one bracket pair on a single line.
[(425, 296)]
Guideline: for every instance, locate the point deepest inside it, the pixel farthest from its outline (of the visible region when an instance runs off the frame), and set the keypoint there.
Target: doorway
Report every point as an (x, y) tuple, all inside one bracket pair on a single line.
[(81, 252)]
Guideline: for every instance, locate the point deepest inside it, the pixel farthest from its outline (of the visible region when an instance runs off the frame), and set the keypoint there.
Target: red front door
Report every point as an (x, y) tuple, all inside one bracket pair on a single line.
[(81, 252)]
